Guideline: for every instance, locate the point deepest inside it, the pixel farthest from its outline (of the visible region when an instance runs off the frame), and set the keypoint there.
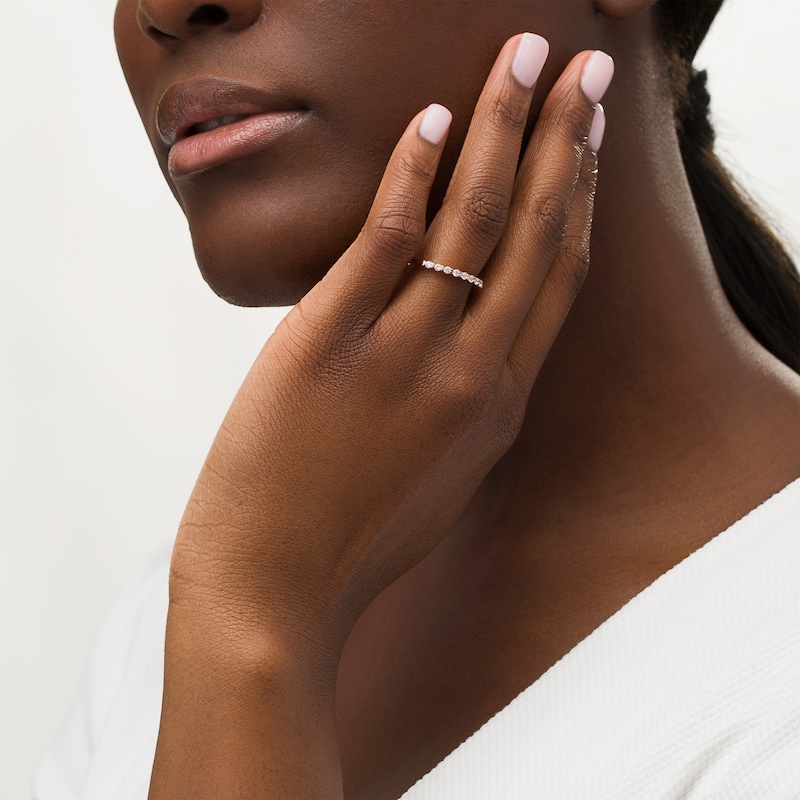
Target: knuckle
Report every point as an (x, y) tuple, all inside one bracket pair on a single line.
[(572, 268), (578, 270), (567, 124), (577, 254), (465, 391), (577, 118), (551, 218), (486, 212), (509, 111), (411, 166), (301, 341), (397, 232)]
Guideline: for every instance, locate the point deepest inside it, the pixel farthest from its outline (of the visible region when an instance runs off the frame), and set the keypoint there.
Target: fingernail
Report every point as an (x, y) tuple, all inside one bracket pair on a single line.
[(598, 128), (435, 123), (529, 59), (597, 75)]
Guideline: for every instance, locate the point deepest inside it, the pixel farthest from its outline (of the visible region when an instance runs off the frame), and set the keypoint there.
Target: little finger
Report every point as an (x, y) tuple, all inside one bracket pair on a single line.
[(549, 310)]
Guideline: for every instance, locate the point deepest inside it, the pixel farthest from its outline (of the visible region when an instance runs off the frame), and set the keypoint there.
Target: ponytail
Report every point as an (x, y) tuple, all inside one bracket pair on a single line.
[(757, 274)]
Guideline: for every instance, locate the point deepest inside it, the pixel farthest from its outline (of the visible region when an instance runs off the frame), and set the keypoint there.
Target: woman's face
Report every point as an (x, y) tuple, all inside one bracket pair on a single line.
[(274, 199)]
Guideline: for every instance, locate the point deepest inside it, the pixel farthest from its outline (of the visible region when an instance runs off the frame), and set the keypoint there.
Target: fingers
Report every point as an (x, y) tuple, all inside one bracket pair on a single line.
[(562, 283), (363, 280), (550, 203), (473, 215), (517, 219)]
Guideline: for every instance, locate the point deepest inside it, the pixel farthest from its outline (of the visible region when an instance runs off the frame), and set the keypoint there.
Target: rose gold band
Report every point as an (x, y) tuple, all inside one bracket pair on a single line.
[(456, 273)]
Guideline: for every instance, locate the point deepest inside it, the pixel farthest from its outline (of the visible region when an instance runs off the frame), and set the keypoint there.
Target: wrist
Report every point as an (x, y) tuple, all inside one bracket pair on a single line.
[(243, 713), (301, 603), (212, 625)]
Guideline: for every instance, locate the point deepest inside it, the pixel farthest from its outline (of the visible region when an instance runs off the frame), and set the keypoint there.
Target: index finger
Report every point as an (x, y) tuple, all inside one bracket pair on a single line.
[(364, 278)]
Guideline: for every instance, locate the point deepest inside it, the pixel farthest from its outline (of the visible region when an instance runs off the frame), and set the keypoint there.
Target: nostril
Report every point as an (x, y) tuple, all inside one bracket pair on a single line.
[(158, 35), (209, 14)]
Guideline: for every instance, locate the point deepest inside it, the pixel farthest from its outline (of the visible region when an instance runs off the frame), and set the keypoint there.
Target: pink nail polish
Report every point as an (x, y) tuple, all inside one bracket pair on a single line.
[(529, 59), (597, 75), (435, 123), (598, 128)]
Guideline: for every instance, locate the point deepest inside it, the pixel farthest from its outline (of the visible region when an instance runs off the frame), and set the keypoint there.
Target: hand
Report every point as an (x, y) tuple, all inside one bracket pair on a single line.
[(385, 396)]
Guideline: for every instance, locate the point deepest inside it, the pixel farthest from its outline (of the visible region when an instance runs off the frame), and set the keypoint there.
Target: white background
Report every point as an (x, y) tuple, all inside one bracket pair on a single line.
[(117, 363)]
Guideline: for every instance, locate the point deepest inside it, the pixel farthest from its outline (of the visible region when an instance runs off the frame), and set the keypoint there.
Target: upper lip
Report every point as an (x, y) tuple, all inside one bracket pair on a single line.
[(187, 104)]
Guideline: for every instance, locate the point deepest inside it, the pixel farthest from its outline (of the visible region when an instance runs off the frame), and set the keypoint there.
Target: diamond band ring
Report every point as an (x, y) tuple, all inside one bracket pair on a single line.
[(456, 273)]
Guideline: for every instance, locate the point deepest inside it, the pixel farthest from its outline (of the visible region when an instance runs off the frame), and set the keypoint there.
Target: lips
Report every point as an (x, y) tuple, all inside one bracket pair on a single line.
[(209, 121)]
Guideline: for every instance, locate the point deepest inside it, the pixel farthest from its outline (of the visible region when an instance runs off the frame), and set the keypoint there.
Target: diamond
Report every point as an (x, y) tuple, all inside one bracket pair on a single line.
[(448, 270), (438, 267)]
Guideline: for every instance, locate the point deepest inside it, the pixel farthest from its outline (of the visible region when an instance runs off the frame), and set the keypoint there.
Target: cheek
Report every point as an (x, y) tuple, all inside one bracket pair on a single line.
[(267, 228), (127, 36), (139, 57)]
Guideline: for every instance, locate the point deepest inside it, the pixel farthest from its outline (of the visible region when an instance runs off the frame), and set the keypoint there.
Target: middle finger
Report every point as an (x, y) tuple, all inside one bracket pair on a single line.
[(473, 215)]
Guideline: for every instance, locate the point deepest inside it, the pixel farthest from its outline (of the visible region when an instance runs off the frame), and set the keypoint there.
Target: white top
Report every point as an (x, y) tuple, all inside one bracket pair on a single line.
[(690, 691)]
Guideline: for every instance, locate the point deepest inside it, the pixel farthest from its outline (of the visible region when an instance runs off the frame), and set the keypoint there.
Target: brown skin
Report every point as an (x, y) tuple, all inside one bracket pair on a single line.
[(654, 424), (266, 229)]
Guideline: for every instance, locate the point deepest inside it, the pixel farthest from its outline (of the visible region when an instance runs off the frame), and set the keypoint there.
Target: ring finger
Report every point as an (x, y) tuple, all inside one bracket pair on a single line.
[(473, 215)]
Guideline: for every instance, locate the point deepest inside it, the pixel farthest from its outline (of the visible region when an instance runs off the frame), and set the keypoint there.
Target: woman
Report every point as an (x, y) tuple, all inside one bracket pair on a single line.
[(433, 498)]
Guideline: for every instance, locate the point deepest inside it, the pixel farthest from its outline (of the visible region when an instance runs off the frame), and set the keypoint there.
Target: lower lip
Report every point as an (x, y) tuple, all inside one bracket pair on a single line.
[(230, 142)]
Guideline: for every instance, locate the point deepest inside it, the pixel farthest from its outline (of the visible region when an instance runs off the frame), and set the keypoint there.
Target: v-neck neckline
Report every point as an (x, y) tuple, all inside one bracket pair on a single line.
[(662, 612)]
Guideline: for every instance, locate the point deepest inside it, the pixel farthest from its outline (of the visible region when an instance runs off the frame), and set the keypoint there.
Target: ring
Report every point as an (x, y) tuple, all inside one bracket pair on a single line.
[(456, 273)]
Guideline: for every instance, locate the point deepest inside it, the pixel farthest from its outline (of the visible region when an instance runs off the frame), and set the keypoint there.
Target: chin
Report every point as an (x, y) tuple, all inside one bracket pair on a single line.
[(252, 295), (268, 280), (253, 254), (248, 284)]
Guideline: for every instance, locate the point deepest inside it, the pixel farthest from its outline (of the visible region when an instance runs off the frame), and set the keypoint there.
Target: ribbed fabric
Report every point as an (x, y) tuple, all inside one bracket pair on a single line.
[(106, 748), (689, 692)]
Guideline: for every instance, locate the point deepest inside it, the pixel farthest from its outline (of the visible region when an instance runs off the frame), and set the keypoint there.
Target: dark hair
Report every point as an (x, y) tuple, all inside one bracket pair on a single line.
[(757, 273)]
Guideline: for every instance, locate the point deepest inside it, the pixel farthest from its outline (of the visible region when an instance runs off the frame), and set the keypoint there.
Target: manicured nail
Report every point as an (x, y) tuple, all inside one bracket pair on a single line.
[(435, 123), (598, 128), (529, 59), (597, 75)]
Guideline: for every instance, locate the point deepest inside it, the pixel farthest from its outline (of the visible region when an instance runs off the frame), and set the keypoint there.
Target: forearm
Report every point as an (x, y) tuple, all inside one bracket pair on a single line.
[(243, 716)]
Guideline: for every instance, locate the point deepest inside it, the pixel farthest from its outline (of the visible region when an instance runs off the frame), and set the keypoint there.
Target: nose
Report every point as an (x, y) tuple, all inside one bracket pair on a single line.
[(165, 21)]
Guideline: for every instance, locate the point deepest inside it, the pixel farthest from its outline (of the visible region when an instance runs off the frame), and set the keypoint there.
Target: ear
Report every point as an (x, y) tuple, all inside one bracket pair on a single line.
[(622, 9)]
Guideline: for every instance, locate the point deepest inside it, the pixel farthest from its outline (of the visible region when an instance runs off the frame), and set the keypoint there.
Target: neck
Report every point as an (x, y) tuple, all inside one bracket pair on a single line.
[(653, 384)]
